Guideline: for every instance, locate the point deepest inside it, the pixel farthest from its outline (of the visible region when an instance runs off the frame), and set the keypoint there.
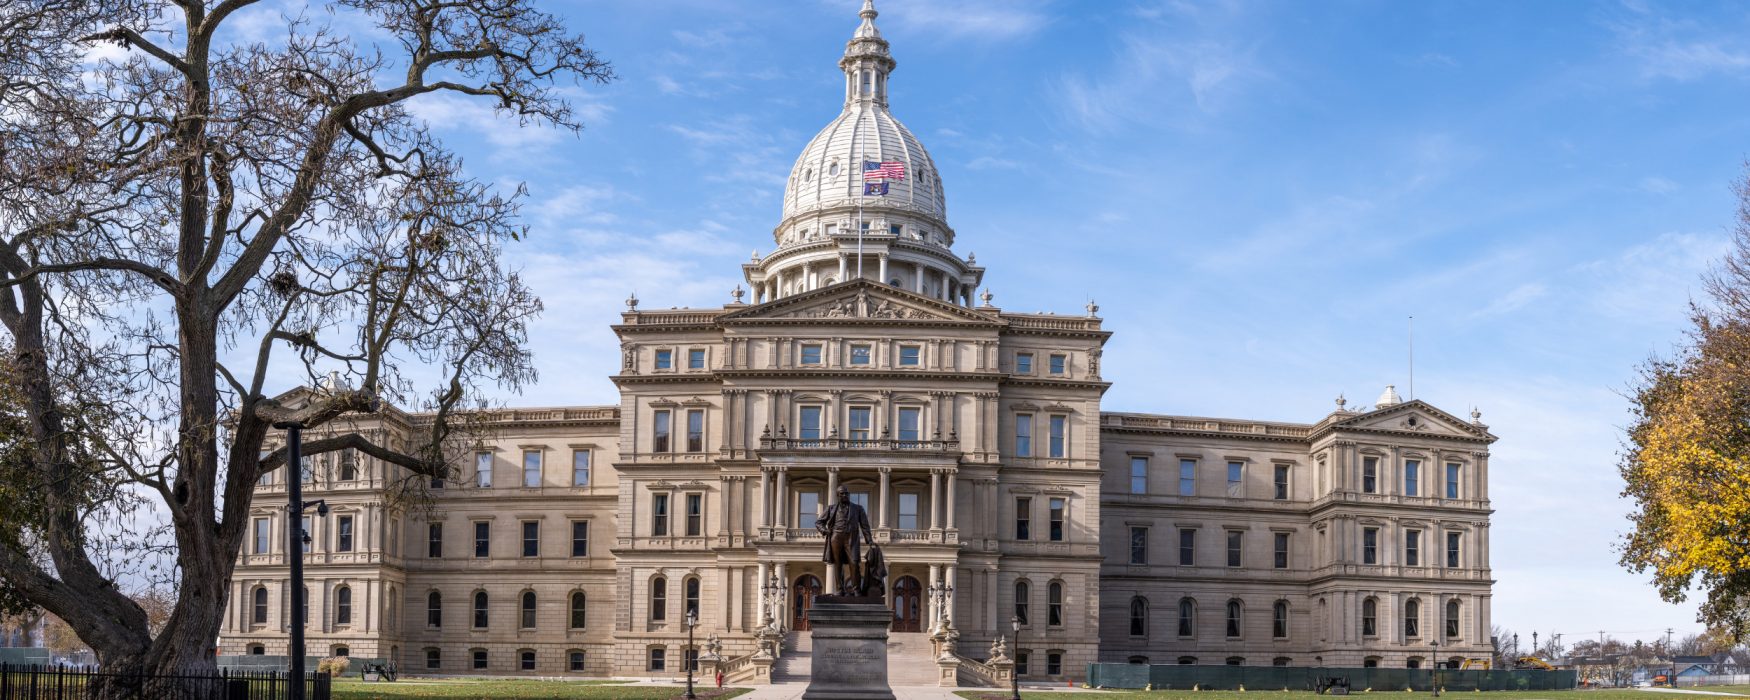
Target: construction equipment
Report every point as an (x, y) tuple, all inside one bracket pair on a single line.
[(1480, 664), (1534, 662)]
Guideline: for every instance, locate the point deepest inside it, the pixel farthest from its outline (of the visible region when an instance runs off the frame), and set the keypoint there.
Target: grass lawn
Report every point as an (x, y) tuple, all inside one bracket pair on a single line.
[(1622, 694), (513, 689)]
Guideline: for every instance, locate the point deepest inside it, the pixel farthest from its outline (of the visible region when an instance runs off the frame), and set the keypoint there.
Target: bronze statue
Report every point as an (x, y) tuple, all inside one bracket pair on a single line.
[(841, 525)]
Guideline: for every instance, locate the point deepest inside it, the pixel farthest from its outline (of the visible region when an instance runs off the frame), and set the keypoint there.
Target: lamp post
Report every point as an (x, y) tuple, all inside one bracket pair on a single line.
[(1436, 668), (688, 656), (1014, 674), (296, 537)]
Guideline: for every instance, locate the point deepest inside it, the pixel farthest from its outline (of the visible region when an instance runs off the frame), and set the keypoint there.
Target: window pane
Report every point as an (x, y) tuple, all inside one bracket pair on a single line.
[(859, 354), (1187, 547), (1370, 474), (696, 359), (807, 509), (1057, 436), (580, 468), (482, 538), (1024, 363), (660, 432), (1234, 543), (531, 468), (1023, 518), (695, 514), (1057, 505), (810, 423), (811, 354), (1023, 435), (909, 418), (1057, 363), (695, 431), (1139, 475), (664, 359), (1236, 474), (1370, 546), (908, 355), (1139, 545), (1187, 477), (580, 538), (483, 470), (1452, 481), (1281, 554), (860, 422), (1281, 482), (908, 511), (1412, 475), (659, 515), (531, 539)]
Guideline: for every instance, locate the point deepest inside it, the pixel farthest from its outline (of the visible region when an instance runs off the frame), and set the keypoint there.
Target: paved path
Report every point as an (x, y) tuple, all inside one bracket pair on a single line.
[(792, 691), (1689, 692)]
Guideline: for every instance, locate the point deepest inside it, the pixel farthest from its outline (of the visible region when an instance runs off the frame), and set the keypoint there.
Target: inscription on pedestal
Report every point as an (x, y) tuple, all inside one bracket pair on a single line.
[(850, 650)]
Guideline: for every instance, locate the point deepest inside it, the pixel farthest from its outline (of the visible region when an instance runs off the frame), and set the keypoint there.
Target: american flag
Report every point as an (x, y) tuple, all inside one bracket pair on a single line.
[(889, 170)]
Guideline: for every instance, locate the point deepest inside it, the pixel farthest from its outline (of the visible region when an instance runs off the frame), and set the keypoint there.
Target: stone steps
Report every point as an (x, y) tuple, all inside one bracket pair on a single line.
[(794, 664), (909, 661)]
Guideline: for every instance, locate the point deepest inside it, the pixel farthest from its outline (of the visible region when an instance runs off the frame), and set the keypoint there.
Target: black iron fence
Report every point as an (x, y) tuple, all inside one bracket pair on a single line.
[(75, 683), (1176, 677)]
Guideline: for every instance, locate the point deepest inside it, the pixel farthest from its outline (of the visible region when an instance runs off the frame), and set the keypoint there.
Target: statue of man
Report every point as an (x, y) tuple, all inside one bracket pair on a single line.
[(841, 524)]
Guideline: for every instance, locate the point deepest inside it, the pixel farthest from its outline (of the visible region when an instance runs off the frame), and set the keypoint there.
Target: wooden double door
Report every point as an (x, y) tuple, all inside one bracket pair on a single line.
[(908, 605), (802, 595)]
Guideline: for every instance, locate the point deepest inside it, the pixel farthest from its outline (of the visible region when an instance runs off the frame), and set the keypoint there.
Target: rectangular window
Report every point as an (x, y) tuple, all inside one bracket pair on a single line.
[(807, 509), (1281, 553), (1054, 664), (1236, 480), (861, 498), (1235, 544), (1058, 362), (480, 659), (1024, 363), (1370, 545), (266, 477), (1187, 546), (349, 465), (305, 524), (1139, 545), (434, 540), (811, 354), (1057, 430), (909, 419), (659, 515), (1412, 474), (810, 423), (575, 659), (343, 532), (664, 359), (1020, 663), (1056, 519), (580, 468), (696, 358), (483, 469), (861, 428), (1281, 482), (1139, 475), (531, 469), (1023, 518), (580, 538), (659, 432), (908, 511), (1452, 550), (1370, 475), (1023, 435), (909, 355), (263, 535), (1187, 477), (1452, 481), (695, 431), (1412, 548), (695, 514), (859, 355), (482, 539), (433, 659), (531, 538)]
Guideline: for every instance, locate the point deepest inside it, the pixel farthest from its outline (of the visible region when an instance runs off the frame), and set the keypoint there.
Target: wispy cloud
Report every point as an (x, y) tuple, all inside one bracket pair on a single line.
[(1678, 48), (992, 163), (977, 20), (1155, 68), (1657, 185)]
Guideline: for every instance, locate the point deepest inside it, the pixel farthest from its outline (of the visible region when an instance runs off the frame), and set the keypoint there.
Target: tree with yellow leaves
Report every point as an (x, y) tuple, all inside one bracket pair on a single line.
[(1686, 460)]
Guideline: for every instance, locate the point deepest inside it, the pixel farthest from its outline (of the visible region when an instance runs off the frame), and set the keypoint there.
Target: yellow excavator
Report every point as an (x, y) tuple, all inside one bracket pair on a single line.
[(1534, 662), (1478, 664)]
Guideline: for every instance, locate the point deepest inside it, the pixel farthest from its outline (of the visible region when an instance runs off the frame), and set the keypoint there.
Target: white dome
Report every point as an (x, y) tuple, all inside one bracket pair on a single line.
[(829, 171), (1389, 397)]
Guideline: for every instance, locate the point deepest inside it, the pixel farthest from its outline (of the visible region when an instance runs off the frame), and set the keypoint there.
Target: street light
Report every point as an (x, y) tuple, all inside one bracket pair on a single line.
[(1436, 668), (1014, 675), (689, 655), (296, 537)]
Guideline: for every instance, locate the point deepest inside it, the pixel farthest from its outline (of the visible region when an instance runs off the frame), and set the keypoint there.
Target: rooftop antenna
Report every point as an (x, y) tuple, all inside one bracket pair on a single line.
[(1412, 358)]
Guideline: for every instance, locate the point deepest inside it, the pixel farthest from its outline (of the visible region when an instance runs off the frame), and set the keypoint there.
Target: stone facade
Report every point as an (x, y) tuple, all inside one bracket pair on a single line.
[(577, 539)]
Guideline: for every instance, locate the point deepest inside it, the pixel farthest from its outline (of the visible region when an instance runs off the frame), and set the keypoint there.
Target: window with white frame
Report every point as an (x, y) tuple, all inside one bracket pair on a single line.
[(910, 420), (910, 356), (1059, 426), (660, 428), (807, 508), (1236, 480), (1057, 364), (665, 359), (1139, 475), (809, 423), (696, 358), (531, 468), (580, 467), (908, 511), (811, 353), (1023, 363), (1452, 472), (695, 431), (1187, 477), (1370, 475), (1024, 435), (860, 353), (1412, 477), (483, 469), (1412, 548), (861, 427), (1280, 482)]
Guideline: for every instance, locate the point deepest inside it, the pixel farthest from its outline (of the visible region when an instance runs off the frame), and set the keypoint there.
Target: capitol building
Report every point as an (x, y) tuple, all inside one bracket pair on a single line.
[(577, 540)]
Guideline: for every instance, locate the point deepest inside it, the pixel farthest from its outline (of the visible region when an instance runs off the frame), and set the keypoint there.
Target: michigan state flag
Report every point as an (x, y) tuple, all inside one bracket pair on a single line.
[(878, 189)]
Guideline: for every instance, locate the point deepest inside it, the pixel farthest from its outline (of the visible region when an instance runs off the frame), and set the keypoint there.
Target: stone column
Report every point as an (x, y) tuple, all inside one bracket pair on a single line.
[(917, 283), (832, 484), (929, 590), (764, 573), (883, 268), (781, 497), (881, 514), (935, 499), (842, 263), (953, 576), (765, 498), (948, 494)]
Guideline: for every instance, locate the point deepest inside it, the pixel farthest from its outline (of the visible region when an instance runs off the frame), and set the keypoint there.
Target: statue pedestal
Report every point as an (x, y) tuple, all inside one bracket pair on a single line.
[(850, 649)]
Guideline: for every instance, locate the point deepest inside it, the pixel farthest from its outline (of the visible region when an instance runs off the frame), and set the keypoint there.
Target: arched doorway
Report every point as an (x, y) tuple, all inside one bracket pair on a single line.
[(907, 605), (803, 593)]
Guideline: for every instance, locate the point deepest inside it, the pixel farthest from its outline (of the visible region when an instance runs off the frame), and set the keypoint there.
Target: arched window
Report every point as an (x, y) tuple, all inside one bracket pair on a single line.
[(480, 609), (1412, 618), (343, 605), (1138, 660), (1054, 604), (692, 597), (1279, 620), (1370, 617), (1233, 617), (1187, 616), (1187, 661), (528, 608), (1021, 593), (579, 610), (434, 609), (259, 616), (1139, 617), (1452, 618), (658, 598)]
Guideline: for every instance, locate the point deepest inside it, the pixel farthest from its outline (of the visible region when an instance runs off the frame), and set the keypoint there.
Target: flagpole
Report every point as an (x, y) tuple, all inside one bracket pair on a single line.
[(863, 184)]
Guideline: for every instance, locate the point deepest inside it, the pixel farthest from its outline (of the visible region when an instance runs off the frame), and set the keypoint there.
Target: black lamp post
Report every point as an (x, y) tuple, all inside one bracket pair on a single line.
[(1437, 668), (688, 656), (295, 538), (1014, 673)]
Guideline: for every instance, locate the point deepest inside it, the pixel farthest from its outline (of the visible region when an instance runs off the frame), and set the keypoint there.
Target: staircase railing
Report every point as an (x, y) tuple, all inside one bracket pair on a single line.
[(737, 670), (982, 674)]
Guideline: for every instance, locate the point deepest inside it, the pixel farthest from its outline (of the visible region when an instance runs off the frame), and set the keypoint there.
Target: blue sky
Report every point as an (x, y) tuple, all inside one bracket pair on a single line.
[(1259, 195)]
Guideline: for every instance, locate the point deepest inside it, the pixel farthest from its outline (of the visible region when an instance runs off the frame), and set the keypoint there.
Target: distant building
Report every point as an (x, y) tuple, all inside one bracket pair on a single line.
[(576, 539)]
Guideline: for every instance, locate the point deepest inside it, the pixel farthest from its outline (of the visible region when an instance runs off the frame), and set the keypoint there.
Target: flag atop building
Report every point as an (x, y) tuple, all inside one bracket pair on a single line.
[(887, 170)]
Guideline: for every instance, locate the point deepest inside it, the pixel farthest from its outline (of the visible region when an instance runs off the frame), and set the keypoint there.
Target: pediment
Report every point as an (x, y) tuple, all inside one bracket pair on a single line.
[(859, 300), (1415, 417)]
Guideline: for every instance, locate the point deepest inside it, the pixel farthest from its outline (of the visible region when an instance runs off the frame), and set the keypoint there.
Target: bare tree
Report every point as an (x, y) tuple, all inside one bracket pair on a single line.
[(192, 226)]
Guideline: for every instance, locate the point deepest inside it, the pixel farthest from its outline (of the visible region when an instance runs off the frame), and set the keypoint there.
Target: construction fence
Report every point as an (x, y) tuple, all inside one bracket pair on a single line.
[(1177, 677)]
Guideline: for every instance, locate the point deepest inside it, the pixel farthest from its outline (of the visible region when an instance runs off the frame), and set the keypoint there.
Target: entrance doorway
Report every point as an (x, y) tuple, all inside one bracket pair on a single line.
[(803, 593), (907, 605)]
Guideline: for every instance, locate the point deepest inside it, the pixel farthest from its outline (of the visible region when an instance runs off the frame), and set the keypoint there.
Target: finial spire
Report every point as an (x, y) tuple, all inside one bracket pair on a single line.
[(867, 29), (866, 62)]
